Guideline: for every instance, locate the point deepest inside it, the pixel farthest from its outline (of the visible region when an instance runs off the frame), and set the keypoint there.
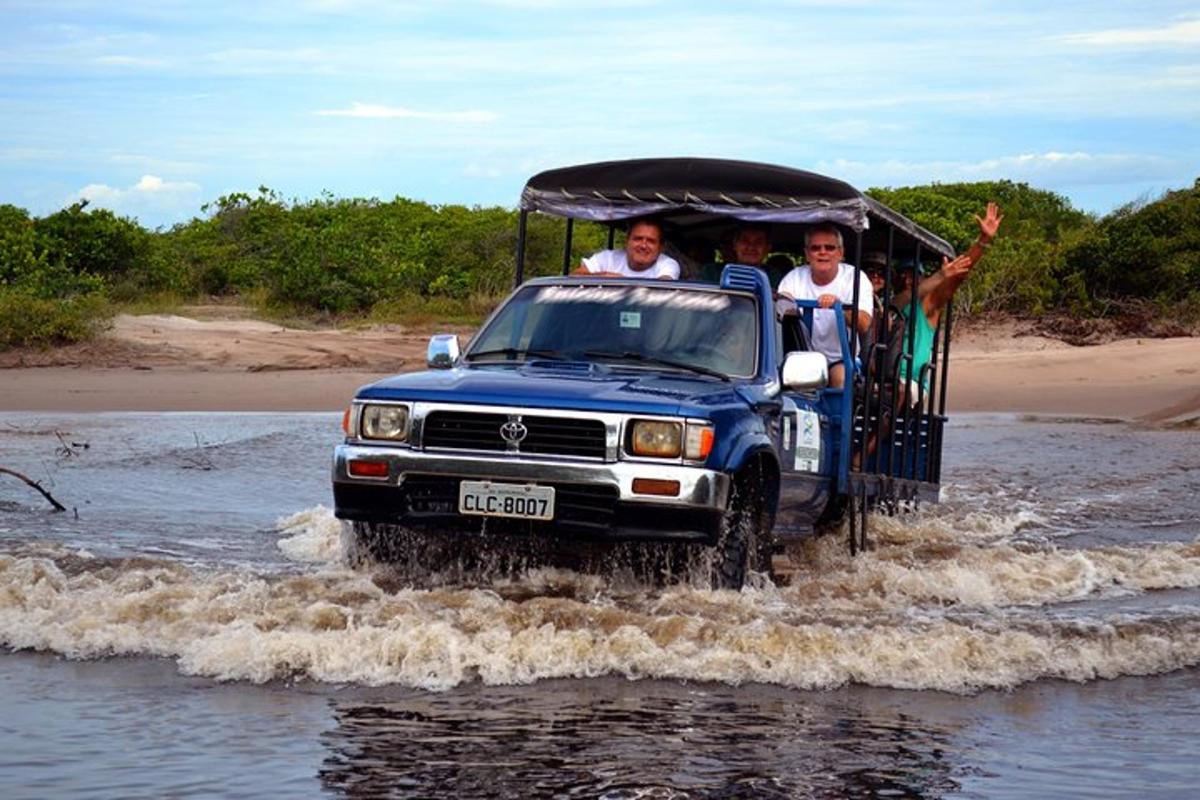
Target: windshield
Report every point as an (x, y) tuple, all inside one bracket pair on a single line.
[(683, 328)]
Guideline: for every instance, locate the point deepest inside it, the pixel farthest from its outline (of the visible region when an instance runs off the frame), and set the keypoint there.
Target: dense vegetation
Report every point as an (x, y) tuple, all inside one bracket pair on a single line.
[(406, 259), (1051, 257)]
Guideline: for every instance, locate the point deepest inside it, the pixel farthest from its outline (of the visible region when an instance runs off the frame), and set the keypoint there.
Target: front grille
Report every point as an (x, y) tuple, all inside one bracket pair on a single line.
[(558, 436), (578, 506)]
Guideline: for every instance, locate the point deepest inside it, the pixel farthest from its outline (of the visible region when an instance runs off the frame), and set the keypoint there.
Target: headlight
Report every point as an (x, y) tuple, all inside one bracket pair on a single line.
[(653, 438), (384, 422)]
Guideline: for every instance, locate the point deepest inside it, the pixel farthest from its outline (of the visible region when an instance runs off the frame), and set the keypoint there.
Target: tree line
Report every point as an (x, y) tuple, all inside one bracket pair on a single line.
[(62, 275)]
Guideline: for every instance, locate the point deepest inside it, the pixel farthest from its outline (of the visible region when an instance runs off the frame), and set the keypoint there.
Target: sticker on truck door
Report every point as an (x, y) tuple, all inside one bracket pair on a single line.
[(808, 441)]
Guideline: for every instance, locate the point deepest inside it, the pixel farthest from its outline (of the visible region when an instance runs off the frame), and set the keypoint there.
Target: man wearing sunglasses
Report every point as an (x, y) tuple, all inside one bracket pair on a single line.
[(827, 279)]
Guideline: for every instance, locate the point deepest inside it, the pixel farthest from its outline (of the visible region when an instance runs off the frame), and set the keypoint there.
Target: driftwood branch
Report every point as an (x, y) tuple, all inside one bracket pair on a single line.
[(57, 505), (66, 448)]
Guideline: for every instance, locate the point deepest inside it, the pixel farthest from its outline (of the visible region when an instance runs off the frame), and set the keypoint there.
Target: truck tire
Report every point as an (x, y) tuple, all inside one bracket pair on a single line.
[(744, 545)]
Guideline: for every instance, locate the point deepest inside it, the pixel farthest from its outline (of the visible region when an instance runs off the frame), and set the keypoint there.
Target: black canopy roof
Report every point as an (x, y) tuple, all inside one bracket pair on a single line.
[(690, 193)]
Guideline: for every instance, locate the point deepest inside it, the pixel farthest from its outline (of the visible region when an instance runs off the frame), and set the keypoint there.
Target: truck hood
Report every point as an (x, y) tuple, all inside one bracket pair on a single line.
[(561, 385)]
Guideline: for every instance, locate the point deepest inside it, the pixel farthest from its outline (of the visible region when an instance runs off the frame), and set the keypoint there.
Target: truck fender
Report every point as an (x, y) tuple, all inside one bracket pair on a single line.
[(750, 450)]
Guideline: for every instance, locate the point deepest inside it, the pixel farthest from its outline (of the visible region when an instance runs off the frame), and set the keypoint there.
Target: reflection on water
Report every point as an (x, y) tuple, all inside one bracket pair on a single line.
[(1062, 550), (614, 739)]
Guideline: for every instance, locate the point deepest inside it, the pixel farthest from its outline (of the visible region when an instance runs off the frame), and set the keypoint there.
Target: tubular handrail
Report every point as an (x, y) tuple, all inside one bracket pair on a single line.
[(806, 309)]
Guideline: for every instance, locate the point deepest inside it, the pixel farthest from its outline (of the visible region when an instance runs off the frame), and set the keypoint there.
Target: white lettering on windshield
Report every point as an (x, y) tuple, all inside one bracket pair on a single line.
[(674, 298), (637, 296), (581, 294)]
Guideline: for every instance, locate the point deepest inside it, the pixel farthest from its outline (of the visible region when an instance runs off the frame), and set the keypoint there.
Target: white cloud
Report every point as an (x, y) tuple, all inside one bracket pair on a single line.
[(153, 183), (368, 111), (149, 198), (1051, 169), (1185, 31), (149, 184)]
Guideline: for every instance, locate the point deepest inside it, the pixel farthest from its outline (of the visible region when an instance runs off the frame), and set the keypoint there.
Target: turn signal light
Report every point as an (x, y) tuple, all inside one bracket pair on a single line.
[(346, 422), (368, 469), (699, 441), (655, 486)]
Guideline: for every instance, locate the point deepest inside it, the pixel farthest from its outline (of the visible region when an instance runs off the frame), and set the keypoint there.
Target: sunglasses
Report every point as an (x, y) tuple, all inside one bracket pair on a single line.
[(827, 248)]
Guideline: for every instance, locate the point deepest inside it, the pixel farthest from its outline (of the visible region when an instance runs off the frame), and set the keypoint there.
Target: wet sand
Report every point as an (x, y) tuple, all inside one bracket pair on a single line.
[(1152, 380), (172, 363)]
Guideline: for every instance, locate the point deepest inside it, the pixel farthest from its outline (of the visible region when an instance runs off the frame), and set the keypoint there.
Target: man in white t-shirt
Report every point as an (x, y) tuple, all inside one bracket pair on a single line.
[(826, 279), (642, 257)]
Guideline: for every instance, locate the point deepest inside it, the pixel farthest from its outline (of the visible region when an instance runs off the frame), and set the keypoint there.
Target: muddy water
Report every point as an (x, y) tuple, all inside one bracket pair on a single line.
[(188, 628)]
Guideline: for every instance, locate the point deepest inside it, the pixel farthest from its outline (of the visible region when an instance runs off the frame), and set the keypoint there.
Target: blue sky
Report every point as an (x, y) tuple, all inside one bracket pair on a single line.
[(154, 107)]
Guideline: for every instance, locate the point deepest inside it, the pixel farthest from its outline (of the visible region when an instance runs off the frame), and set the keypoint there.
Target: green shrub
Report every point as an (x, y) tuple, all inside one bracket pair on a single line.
[(27, 319), (93, 242), (346, 257), (470, 310), (1147, 251), (1025, 270)]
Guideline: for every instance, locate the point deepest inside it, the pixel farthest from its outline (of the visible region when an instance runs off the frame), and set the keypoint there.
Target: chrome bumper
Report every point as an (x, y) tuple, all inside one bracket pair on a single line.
[(699, 488)]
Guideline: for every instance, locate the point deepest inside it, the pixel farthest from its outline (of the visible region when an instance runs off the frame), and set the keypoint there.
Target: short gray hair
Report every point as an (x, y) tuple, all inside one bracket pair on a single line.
[(824, 227)]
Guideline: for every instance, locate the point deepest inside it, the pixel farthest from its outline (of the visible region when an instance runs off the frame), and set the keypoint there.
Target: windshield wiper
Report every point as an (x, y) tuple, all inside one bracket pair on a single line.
[(513, 352), (630, 355)]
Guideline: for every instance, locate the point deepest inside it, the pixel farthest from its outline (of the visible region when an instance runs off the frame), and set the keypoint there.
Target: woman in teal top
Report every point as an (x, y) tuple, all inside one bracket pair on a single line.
[(922, 335)]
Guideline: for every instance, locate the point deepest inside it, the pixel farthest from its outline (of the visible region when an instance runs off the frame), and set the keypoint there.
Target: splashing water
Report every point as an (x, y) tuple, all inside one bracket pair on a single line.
[(995, 587)]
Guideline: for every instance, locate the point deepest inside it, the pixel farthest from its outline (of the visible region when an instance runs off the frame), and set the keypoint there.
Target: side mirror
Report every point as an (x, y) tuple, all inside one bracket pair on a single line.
[(443, 351), (805, 371)]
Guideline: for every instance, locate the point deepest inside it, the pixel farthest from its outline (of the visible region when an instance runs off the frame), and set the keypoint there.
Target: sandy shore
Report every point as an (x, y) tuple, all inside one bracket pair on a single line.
[(171, 363)]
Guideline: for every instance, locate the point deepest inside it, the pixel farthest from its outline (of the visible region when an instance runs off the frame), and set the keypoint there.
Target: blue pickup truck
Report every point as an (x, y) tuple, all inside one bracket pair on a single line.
[(595, 410)]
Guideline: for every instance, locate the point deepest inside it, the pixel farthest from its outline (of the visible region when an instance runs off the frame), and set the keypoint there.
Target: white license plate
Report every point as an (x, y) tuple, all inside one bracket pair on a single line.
[(520, 501)]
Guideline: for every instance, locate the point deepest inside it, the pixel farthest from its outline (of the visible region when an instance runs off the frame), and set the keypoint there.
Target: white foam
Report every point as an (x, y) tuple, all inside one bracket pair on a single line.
[(883, 619), (312, 536)]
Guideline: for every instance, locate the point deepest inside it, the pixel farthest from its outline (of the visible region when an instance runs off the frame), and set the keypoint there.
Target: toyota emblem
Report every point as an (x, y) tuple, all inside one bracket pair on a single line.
[(513, 431)]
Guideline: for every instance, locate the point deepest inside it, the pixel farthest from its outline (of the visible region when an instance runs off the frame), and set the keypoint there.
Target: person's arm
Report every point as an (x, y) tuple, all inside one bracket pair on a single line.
[(785, 299), (866, 304), (935, 291), (597, 266), (989, 225), (586, 264), (864, 317), (582, 270)]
